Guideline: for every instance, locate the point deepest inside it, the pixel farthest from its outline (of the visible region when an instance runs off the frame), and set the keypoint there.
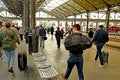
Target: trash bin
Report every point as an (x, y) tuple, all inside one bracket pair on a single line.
[(33, 43), (26, 37), (30, 43)]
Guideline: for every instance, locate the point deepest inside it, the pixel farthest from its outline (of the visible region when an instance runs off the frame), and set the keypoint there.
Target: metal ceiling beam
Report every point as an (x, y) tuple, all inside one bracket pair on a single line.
[(53, 13), (59, 12), (3, 9), (68, 9), (80, 5), (9, 4), (58, 15), (62, 11), (39, 3), (105, 3), (91, 4), (73, 7)]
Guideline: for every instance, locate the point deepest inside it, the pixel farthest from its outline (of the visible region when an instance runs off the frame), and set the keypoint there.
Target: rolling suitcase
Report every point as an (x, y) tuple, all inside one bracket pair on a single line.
[(22, 60), (105, 56)]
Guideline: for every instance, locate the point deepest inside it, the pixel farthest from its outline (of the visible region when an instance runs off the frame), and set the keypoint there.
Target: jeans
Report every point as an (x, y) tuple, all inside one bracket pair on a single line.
[(42, 42), (99, 53), (78, 61), (10, 57)]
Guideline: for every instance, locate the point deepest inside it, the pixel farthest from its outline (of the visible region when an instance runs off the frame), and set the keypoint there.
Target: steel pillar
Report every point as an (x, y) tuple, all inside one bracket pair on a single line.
[(87, 22), (107, 19), (32, 35), (74, 19), (25, 18), (66, 24)]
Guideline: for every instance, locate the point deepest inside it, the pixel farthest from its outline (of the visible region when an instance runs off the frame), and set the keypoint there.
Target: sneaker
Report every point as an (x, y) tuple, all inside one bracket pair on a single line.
[(63, 77), (101, 66)]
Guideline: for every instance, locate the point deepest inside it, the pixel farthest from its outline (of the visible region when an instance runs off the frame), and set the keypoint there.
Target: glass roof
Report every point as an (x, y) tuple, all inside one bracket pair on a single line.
[(51, 4), (2, 5)]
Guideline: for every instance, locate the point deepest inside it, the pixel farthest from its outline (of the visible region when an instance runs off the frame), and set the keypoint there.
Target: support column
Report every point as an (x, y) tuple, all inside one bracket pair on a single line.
[(66, 24), (71, 23), (33, 37), (115, 15), (74, 19), (107, 19), (32, 16), (25, 18), (87, 22), (97, 20), (39, 14), (81, 20), (58, 23)]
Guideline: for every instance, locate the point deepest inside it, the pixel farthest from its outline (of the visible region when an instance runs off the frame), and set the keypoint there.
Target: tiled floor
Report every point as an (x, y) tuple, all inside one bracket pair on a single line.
[(58, 59)]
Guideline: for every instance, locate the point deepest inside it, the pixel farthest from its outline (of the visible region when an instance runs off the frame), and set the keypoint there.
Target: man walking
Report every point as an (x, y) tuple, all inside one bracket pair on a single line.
[(76, 57), (42, 33), (100, 38), (58, 37)]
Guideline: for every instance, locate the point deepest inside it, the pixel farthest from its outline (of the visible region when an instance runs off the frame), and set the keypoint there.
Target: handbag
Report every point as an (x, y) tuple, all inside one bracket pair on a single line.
[(77, 41), (45, 38)]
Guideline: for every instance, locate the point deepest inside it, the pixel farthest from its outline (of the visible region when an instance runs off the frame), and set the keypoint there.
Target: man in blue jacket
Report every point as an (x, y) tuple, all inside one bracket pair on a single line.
[(42, 33), (100, 38)]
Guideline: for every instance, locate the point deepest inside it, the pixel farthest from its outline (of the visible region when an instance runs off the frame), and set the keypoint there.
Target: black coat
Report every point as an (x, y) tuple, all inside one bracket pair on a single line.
[(58, 35)]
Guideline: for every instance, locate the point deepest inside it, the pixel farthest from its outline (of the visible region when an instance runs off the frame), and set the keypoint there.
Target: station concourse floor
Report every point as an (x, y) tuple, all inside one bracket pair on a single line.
[(58, 59)]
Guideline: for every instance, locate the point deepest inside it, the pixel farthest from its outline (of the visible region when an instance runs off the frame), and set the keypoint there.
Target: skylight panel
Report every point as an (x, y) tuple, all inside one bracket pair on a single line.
[(53, 4)]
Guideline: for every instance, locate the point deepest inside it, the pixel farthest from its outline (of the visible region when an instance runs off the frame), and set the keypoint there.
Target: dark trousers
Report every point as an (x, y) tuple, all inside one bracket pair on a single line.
[(99, 53), (58, 43), (21, 37)]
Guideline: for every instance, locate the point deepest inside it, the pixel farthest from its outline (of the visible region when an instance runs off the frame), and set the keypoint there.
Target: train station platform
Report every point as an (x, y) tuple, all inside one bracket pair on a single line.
[(58, 59)]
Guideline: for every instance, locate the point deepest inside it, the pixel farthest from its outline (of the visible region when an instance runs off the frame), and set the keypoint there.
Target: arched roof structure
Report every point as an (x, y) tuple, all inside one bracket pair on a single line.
[(67, 8)]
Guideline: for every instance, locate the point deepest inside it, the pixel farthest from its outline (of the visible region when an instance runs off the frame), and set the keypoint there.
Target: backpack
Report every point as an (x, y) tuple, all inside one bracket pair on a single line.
[(77, 41)]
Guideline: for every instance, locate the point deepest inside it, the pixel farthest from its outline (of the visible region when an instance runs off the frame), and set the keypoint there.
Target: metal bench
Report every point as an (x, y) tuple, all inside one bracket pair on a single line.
[(43, 65), (48, 73), (39, 59), (45, 69)]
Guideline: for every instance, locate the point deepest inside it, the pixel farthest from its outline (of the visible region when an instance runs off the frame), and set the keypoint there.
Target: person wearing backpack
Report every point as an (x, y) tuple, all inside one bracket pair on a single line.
[(75, 56), (100, 38)]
